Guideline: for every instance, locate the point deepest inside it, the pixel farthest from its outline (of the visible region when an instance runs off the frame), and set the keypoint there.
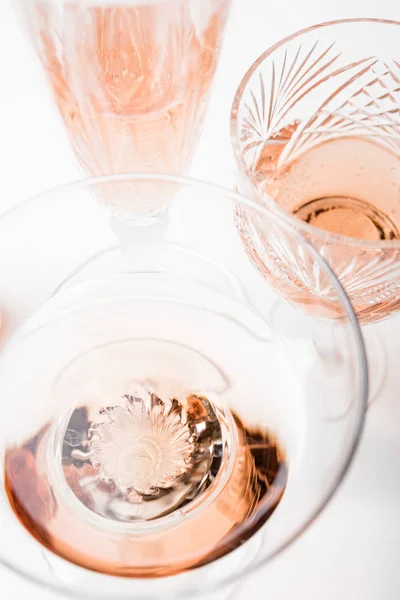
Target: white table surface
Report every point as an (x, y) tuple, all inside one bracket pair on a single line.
[(353, 550)]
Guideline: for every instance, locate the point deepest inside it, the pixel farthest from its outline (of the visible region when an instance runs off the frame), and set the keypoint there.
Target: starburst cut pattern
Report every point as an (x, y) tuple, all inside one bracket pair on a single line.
[(371, 279), (358, 98), (143, 446)]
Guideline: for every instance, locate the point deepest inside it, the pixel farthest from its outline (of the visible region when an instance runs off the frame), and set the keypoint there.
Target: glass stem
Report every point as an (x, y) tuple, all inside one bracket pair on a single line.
[(141, 240), (377, 361)]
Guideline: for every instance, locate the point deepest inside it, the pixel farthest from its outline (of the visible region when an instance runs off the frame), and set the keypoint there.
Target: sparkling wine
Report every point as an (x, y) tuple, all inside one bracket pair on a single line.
[(348, 186), (145, 487), (130, 79), (149, 445), (343, 185)]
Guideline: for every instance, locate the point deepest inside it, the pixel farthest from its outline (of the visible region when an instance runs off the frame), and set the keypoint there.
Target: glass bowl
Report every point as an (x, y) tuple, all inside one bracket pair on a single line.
[(159, 438)]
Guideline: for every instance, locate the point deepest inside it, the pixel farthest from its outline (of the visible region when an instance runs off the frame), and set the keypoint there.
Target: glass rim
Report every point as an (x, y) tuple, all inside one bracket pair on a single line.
[(288, 218), (235, 198)]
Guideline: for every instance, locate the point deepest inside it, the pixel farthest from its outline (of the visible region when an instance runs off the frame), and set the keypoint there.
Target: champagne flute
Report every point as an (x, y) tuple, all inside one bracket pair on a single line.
[(131, 78)]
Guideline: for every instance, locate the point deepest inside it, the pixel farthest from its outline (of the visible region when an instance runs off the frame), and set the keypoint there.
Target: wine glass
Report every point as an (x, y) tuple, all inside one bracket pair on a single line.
[(158, 437), (130, 79), (316, 133)]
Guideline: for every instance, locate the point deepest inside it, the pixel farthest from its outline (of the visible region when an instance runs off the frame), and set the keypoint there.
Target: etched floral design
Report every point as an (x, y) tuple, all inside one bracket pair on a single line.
[(143, 446), (142, 457)]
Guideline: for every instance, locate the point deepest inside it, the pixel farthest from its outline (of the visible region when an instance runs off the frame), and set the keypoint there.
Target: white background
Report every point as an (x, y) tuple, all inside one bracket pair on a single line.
[(352, 552)]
